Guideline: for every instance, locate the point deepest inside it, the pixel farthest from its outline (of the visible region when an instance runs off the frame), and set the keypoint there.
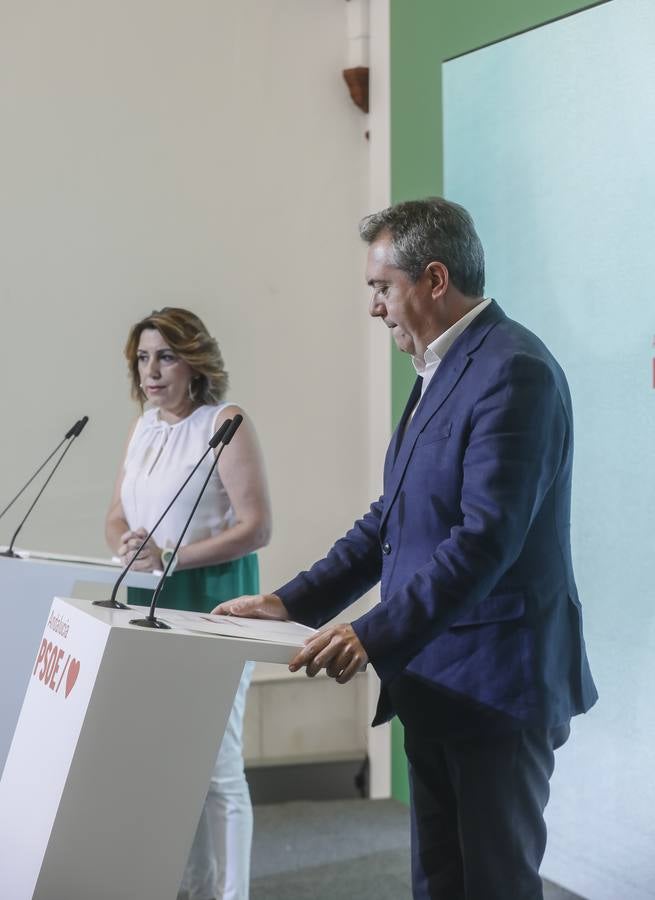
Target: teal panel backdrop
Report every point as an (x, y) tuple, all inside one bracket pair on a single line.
[(425, 33), (552, 149)]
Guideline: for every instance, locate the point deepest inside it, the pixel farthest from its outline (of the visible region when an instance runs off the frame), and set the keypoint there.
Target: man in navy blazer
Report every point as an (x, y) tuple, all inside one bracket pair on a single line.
[(478, 636)]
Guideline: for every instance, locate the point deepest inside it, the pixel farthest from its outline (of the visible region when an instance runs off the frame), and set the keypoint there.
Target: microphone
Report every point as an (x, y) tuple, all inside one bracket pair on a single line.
[(77, 428), (215, 440), (151, 621), (71, 434)]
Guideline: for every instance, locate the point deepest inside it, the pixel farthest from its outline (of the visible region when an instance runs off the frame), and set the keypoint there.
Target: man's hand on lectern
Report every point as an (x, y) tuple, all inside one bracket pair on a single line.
[(337, 649), (253, 606)]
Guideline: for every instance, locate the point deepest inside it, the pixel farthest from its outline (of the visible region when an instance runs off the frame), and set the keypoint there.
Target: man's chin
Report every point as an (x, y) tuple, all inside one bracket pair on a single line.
[(402, 343)]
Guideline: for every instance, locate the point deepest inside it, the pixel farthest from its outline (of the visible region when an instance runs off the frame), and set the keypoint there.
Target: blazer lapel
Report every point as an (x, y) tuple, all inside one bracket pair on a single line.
[(397, 439), (441, 386)]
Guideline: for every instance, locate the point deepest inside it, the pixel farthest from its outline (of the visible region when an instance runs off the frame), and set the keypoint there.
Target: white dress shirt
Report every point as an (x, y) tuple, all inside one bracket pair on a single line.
[(436, 351)]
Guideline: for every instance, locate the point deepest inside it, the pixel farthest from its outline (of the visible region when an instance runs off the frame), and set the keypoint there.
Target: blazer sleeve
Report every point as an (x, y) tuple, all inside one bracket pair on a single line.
[(519, 430), (351, 568)]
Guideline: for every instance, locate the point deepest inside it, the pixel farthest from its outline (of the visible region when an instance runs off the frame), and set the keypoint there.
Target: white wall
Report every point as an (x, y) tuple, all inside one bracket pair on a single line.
[(379, 348), (549, 141), (197, 153)]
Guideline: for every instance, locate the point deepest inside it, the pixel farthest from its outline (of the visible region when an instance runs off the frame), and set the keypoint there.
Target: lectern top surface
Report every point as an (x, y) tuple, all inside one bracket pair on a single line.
[(81, 568), (266, 641), (74, 558)]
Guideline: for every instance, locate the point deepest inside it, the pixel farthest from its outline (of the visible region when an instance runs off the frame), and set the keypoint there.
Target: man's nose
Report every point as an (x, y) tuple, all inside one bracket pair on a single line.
[(376, 307)]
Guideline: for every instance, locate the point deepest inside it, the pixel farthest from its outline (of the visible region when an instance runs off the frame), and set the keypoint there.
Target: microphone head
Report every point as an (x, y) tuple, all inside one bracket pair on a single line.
[(76, 429), (236, 421), (79, 426), (220, 434)]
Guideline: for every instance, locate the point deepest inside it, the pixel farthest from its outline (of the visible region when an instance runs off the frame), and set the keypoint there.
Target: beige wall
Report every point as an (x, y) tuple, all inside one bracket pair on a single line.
[(198, 153)]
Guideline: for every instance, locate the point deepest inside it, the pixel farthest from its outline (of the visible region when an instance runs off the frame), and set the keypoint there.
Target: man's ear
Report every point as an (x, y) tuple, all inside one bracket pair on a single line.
[(439, 278)]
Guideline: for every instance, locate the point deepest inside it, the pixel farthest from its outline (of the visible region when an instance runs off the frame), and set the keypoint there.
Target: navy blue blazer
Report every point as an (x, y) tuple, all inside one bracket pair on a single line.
[(470, 541)]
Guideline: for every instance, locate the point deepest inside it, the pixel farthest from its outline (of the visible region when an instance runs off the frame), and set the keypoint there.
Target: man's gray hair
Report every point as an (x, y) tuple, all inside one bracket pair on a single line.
[(431, 230)]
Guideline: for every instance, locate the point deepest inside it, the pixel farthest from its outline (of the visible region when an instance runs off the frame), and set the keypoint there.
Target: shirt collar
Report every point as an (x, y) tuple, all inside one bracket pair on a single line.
[(438, 348)]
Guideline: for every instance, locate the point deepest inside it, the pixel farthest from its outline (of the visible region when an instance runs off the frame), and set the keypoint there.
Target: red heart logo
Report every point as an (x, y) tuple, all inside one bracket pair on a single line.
[(71, 677)]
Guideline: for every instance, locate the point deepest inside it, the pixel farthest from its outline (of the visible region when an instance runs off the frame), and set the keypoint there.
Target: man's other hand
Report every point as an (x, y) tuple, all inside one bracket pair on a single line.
[(336, 649), (253, 606)]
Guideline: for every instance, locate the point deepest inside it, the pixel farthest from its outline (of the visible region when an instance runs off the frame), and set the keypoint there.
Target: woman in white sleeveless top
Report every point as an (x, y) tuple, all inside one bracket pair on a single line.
[(176, 366)]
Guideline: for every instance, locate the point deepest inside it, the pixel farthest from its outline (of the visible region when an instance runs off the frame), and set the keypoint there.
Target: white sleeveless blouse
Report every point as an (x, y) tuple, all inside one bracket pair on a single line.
[(159, 457)]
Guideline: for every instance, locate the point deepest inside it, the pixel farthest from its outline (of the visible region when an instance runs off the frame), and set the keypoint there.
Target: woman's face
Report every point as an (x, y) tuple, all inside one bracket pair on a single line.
[(164, 376)]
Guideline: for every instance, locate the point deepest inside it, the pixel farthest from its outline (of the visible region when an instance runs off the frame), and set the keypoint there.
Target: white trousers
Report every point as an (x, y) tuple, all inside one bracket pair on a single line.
[(219, 861)]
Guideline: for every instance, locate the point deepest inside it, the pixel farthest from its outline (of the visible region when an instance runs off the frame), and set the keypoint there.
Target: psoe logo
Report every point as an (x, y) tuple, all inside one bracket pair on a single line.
[(49, 670)]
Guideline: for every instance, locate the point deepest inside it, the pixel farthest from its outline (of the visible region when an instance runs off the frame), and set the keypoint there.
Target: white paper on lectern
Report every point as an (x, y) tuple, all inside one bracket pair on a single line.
[(292, 633)]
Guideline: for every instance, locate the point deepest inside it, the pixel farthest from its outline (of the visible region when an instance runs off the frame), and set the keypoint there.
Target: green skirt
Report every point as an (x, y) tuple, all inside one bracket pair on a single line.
[(199, 590)]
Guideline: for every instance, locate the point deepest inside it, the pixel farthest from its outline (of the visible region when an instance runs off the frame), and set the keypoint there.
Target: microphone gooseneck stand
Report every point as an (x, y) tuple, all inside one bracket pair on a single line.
[(113, 603), (69, 434), (151, 621), (74, 432)]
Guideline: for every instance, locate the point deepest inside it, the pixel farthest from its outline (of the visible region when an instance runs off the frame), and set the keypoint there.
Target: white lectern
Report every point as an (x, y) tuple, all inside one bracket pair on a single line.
[(27, 586), (114, 747)]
